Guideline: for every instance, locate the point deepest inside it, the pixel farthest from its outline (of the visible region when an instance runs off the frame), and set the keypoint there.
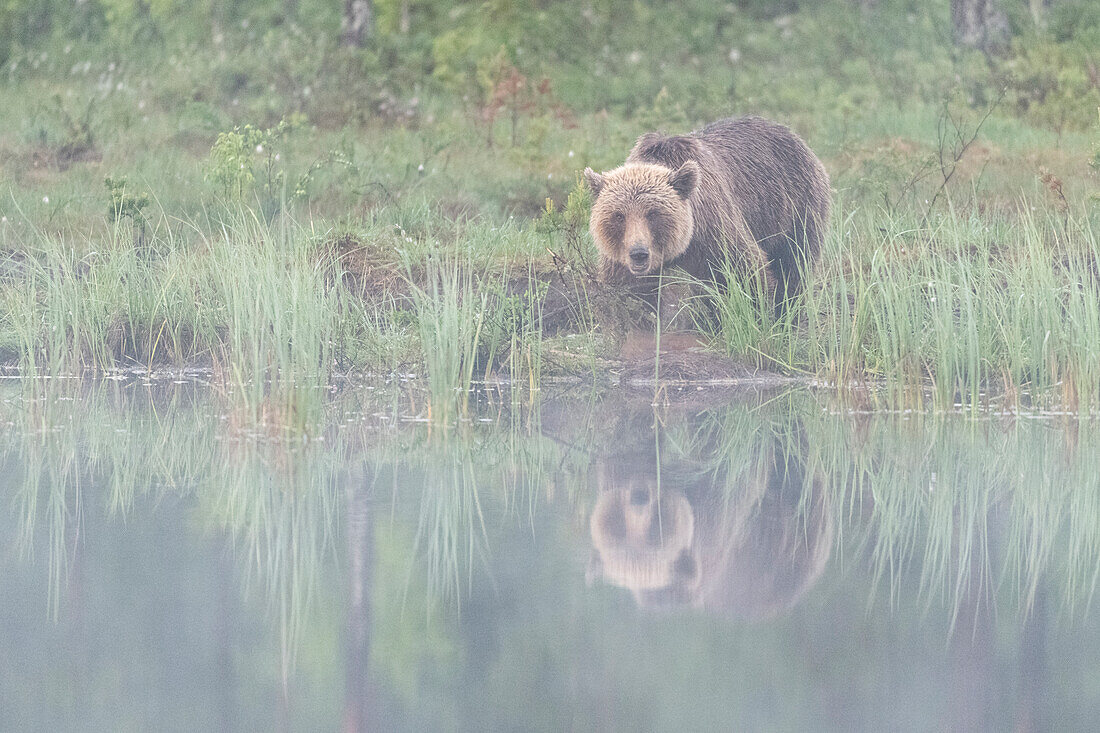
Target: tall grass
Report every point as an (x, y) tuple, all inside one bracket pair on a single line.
[(278, 315), (88, 303), (969, 310), (263, 302), (451, 316), (471, 326), (268, 305), (963, 310)]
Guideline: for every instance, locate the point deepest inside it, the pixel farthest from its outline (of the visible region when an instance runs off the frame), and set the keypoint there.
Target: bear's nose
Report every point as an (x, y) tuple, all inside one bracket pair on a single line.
[(639, 255)]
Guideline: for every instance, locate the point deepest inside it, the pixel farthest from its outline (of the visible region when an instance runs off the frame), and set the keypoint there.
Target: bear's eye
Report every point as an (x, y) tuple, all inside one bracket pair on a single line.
[(618, 217)]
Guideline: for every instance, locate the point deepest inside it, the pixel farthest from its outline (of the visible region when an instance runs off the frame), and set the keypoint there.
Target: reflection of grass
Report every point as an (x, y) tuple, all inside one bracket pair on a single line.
[(278, 500), (948, 509), (952, 509), (450, 530), (449, 479), (50, 491), (73, 437), (88, 442), (278, 503), (967, 509)]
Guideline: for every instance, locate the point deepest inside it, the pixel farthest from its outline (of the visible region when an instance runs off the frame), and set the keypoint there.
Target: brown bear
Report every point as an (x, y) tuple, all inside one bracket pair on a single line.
[(742, 190), (679, 534)]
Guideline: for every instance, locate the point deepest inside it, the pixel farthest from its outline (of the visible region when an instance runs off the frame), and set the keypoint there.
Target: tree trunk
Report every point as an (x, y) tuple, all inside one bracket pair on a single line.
[(1039, 11), (405, 20), (359, 710), (358, 22), (979, 24)]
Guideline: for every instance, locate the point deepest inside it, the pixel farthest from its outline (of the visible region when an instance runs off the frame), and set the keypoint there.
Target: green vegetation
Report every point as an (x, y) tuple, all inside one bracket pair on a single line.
[(962, 309), (288, 209)]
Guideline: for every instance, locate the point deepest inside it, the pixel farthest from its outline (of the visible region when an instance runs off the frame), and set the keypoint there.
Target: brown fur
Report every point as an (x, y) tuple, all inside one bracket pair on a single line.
[(747, 546), (742, 190)]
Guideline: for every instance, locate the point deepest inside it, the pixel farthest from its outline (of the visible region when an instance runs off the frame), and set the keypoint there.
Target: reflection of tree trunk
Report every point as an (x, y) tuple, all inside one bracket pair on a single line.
[(358, 22), (69, 595), (282, 708), (223, 632), (972, 657), (405, 21), (973, 665), (360, 530), (1031, 695), (979, 24)]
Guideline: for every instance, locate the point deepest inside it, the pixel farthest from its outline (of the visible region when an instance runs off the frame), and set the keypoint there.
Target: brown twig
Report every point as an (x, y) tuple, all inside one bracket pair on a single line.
[(949, 164)]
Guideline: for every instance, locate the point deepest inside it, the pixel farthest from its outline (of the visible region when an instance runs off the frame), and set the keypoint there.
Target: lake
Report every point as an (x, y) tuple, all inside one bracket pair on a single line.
[(172, 557)]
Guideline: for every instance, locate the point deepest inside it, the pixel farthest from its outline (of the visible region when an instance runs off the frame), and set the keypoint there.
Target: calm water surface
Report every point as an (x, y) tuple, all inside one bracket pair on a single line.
[(724, 561)]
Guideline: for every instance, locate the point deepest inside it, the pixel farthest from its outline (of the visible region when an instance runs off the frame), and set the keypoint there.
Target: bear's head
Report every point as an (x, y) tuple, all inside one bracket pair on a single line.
[(641, 534), (746, 546), (642, 218)]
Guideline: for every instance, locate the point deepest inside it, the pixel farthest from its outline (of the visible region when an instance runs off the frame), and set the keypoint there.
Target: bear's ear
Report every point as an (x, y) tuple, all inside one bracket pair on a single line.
[(645, 144), (685, 178), (595, 181)]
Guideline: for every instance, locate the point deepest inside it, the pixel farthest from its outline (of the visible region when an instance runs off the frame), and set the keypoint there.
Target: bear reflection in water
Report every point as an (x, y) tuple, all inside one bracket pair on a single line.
[(746, 546)]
